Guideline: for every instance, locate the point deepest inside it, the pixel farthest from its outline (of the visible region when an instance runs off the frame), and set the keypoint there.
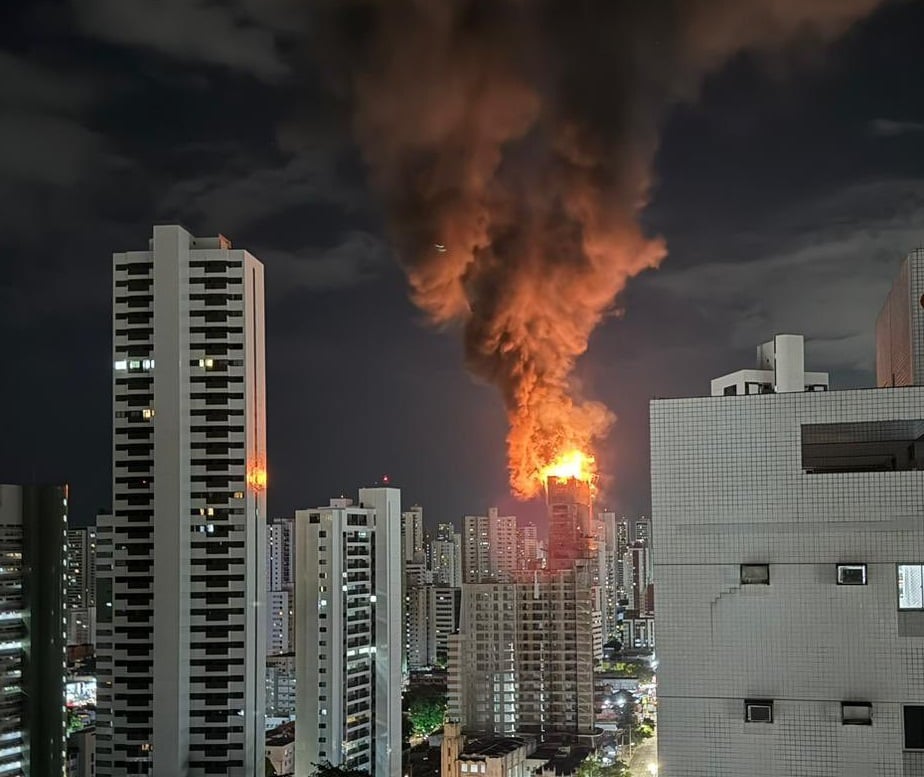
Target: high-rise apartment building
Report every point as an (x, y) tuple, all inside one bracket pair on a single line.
[(446, 556), (432, 616), (412, 535), (789, 550), (33, 535), (280, 595), (180, 567), (80, 588), (572, 534), (280, 554), (524, 655), (280, 686), (641, 531), (899, 327), (348, 651), (489, 550), (528, 547)]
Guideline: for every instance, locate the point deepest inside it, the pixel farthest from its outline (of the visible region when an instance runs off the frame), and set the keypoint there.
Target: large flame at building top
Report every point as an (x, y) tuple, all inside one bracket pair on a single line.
[(571, 464)]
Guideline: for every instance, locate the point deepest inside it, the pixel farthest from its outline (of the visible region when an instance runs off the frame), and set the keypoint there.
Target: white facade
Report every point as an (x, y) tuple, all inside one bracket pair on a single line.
[(389, 616), (489, 550), (280, 686), (431, 619), (348, 634), (780, 370), (446, 561), (181, 649), (781, 526)]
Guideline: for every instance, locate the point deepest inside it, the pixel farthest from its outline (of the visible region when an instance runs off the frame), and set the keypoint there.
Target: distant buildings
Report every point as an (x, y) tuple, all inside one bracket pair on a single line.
[(33, 533), (432, 616), (789, 557), (280, 596), (446, 556), (523, 659), (529, 554), (412, 535), (181, 625), (80, 589), (348, 644), (489, 549)]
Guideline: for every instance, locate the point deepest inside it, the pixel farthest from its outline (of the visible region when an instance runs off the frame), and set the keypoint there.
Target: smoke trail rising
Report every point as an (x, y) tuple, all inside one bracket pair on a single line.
[(512, 142)]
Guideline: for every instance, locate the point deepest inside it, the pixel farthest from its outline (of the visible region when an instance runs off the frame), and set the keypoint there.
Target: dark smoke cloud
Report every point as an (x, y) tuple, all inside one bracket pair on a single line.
[(512, 142)]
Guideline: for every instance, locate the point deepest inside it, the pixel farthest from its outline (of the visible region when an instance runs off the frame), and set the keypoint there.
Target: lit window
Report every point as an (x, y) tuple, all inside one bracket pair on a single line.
[(755, 574), (238, 494), (121, 364), (910, 586), (851, 574), (856, 713), (147, 364), (758, 711), (207, 363), (134, 364), (147, 413), (210, 511)]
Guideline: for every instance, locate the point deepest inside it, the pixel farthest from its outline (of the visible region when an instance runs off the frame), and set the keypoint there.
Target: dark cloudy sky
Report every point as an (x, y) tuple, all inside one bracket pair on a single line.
[(787, 196)]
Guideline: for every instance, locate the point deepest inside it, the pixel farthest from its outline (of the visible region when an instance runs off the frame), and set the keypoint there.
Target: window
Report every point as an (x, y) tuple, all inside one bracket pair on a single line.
[(758, 711), (856, 713), (914, 726), (755, 574), (851, 574), (911, 586)]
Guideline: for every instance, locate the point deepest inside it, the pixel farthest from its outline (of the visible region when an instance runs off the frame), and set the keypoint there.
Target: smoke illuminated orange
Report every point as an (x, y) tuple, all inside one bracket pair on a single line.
[(571, 464)]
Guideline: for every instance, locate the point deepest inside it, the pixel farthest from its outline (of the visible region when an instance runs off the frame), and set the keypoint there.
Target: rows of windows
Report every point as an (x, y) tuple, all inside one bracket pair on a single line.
[(853, 713), (910, 579)]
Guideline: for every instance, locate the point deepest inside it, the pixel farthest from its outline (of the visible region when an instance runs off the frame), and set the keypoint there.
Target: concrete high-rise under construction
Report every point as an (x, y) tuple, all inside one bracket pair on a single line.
[(571, 531)]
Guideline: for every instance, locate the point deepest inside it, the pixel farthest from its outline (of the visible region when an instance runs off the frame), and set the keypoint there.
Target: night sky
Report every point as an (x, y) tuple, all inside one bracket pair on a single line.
[(787, 189)]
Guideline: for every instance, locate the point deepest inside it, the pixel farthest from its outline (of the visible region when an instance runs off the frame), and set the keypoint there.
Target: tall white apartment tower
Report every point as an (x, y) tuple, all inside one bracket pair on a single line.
[(389, 621), (789, 563), (348, 640), (181, 578), (489, 550)]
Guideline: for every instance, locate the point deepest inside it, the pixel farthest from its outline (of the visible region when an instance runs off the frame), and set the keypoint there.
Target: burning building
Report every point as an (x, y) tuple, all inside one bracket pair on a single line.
[(571, 533)]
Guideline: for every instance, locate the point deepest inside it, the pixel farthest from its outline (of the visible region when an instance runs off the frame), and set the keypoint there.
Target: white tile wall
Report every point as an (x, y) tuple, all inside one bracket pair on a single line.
[(728, 488)]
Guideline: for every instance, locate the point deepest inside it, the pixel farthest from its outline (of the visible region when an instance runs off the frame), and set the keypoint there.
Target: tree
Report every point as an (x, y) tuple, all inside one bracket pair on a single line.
[(426, 713), (327, 769), (594, 766)]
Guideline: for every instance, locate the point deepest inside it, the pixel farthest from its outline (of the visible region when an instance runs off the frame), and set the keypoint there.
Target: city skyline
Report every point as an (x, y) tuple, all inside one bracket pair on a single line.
[(756, 181)]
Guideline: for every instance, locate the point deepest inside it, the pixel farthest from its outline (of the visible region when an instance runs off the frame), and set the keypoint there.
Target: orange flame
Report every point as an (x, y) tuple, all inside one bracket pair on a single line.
[(256, 477), (570, 464)]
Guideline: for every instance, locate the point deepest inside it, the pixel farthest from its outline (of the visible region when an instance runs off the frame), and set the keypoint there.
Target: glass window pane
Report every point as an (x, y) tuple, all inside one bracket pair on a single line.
[(910, 587)]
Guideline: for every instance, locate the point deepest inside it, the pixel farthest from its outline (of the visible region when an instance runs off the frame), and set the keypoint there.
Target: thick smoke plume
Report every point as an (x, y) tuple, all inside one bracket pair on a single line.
[(512, 142)]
